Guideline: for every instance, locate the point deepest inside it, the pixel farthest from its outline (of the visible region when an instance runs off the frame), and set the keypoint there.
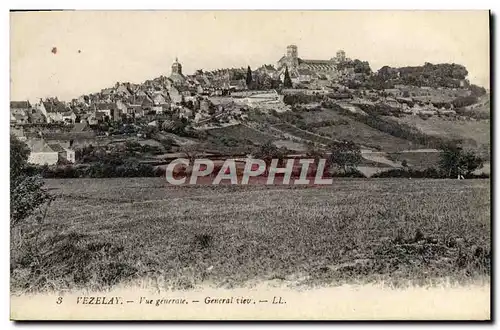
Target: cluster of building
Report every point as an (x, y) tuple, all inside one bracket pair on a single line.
[(181, 94), (199, 97)]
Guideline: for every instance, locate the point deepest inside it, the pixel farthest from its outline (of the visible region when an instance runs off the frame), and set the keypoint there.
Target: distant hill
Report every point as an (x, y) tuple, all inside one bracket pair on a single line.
[(430, 75)]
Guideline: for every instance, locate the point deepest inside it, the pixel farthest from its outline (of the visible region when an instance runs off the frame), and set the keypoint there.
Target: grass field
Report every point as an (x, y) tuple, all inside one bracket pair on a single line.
[(103, 232), (417, 160), (240, 132), (356, 131), (476, 134)]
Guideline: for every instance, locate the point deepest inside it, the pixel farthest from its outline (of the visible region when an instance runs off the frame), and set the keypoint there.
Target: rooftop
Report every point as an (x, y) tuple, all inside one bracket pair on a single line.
[(19, 104)]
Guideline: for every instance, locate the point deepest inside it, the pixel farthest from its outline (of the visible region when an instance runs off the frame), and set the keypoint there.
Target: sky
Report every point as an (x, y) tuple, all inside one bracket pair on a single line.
[(96, 49)]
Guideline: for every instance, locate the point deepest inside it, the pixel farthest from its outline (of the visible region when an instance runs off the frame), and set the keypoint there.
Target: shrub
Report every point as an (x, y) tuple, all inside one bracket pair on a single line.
[(455, 161), (26, 191)]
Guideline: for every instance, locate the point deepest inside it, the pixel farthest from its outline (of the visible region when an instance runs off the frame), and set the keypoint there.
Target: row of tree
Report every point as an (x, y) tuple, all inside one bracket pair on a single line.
[(432, 75), (346, 156)]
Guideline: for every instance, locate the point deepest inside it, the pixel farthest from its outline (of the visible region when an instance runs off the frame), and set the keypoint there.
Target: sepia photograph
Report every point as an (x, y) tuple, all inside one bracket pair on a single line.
[(250, 165)]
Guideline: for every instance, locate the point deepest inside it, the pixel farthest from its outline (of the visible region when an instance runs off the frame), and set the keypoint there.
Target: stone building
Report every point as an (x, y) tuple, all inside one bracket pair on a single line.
[(303, 70), (176, 76)]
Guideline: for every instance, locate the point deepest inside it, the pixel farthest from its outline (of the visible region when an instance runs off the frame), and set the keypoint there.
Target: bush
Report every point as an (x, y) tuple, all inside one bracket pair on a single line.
[(300, 98), (99, 170), (464, 101), (410, 173), (455, 161), (26, 188)]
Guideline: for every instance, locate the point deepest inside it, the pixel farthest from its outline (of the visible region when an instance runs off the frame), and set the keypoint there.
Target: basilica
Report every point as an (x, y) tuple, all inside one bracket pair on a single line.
[(302, 70)]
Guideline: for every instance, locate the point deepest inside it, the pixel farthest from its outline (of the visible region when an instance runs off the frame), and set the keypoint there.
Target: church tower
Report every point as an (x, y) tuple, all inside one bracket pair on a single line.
[(176, 76), (291, 51), (292, 55), (176, 67)]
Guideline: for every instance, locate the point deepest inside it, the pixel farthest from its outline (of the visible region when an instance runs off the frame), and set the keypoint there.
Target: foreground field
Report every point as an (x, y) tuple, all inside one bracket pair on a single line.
[(105, 232)]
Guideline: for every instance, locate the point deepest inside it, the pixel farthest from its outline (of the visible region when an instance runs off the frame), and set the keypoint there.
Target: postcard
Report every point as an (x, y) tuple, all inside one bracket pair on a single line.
[(250, 165)]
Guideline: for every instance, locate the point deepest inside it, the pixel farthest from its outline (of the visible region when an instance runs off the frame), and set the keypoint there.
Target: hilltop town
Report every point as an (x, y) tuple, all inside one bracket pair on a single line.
[(295, 103)]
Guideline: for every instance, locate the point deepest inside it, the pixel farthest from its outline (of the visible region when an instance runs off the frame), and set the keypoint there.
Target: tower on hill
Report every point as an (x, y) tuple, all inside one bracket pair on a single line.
[(176, 75), (176, 67), (292, 51), (292, 55)]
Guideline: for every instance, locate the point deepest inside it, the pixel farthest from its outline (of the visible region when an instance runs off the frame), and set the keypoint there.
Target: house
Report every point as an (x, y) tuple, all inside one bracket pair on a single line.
[(107, 92), (269, 70), (135, 111), (19, 111), (237, 85), (159, 109), (123, 90), (175, 95), (36, 117), (69, 117), (159, 99), (18, 132), (20, 107), (184, 90), (19, 119), (64, 154), (52, 109), (101, 116), (83, 100), (305, 75), (143, 100), (41, 153), (109, 109), (140, 93), (122, 106), (89, 118)]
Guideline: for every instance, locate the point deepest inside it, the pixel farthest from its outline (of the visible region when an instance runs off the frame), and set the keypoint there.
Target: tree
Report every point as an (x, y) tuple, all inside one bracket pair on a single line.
[(191, 152), (267, 152), (314, 152), (477, 90), (249, 77), (454, 161), (470, 162), (26, 192), (19, 153), (345, 154), (287, 81), (464, 101)]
